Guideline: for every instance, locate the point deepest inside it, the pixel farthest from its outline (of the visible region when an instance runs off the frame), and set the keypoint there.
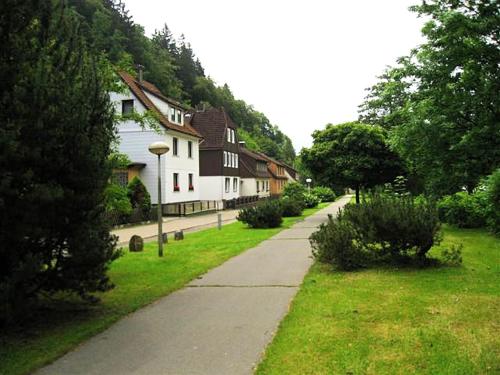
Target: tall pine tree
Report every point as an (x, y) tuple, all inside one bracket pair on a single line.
[(56, 127)]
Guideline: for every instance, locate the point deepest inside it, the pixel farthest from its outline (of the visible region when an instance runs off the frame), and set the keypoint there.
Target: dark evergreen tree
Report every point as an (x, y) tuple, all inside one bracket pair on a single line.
[(56, 129)]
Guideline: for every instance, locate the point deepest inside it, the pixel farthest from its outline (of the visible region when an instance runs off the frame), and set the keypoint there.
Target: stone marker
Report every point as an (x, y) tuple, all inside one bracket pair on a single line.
[(165, 237), (179, 235), (136, 243)]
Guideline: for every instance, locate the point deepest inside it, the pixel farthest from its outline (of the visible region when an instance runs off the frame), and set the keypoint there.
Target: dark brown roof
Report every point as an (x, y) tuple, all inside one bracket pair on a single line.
[(252, 154), (212, 124), (138, 89), (268, 158), (248, 167)]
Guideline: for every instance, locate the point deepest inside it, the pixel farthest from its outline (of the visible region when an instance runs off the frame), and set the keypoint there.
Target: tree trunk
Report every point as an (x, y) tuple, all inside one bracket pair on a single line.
[(357, 194)]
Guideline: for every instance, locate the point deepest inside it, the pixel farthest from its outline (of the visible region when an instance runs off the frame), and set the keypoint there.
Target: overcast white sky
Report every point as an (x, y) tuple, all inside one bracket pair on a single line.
[(303, 63)]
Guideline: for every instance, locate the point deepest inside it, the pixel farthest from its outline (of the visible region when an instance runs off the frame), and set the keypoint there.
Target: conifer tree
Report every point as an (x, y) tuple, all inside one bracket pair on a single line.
[(56, 127)]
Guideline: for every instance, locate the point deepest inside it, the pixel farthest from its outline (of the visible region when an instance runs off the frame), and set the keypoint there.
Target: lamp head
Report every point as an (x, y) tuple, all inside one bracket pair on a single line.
[(158, 148)]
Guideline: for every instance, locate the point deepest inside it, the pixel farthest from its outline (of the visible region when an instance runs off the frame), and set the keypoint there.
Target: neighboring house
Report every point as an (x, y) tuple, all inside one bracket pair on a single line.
[(278, 178), (219, 154), (254, 174), (180, 166)]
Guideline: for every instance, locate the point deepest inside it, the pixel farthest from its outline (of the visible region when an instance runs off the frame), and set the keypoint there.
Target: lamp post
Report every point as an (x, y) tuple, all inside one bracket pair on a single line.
[(308, 180), (159, 148)]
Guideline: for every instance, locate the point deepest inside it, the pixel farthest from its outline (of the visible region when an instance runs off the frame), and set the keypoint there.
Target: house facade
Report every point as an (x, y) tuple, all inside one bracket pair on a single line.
[(180, 166), (219, 154), (255, 178), (277, 172)]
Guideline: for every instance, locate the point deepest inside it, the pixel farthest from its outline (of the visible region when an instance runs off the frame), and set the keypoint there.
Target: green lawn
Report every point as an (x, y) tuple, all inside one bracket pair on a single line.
[(140, 279), (405, 321)]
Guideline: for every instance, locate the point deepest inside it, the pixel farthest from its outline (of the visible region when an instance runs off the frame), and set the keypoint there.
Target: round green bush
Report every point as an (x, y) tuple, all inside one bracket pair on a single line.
[(325, 194), (311, 200), (291, 206), (268, 214)]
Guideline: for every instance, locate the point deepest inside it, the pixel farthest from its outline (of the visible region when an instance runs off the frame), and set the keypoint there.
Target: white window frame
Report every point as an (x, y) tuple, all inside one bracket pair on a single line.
[(227, 184), (233, 135), (225, 158), (229, 135), (236, 160), (235, 184)]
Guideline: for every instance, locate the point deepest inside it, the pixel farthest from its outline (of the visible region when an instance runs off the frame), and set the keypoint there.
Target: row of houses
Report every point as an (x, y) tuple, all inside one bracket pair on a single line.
[(206, 163)]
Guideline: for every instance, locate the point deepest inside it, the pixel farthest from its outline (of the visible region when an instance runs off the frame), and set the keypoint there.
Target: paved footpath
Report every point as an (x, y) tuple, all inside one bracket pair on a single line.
[(218, 324), (172, 224)]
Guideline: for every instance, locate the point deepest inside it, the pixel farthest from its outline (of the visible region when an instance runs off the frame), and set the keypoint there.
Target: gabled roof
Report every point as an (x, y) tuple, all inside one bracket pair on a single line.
[(268, 158), (139, 88), (212, 124), (252, 154)]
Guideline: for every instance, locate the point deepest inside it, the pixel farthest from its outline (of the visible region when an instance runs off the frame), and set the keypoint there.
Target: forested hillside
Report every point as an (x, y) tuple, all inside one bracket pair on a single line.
[(172, 65)]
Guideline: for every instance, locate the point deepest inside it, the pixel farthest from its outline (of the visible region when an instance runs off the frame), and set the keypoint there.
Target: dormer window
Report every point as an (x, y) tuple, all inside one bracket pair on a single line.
[(229, 135), (179, 117), (172, 114), (127, 107)]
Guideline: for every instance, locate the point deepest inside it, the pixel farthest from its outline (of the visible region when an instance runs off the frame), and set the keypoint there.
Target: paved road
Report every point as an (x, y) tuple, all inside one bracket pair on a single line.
[(218, 324), (172, 224)]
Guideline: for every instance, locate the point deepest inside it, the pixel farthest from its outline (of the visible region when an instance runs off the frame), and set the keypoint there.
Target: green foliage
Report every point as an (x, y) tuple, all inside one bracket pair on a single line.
[(441, 103), (311, 200), (117, 202), (464, 210), (139, 197), (352, 155), (382, 228), (291, 206), (265, 215), (453, 255), (294, 190), (117, 160), (334, 244), (56, 135), (493, 197), (324, 194)]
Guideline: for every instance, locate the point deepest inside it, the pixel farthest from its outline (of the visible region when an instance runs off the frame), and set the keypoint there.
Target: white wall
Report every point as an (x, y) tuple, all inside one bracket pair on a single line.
[(213, 188), (134, 141), (249, 187)]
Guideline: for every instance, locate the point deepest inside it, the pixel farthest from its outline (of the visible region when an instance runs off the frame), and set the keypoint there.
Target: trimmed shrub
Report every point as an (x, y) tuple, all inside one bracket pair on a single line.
[(395, 226), (382, 228), (291, 206), (139, 197), (464, 210), (334, 243), (310, 200), (325, 194), (265, 215)]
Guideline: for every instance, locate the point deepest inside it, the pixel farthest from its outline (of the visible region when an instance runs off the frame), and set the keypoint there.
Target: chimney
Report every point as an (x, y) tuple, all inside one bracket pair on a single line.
[(140, 71)]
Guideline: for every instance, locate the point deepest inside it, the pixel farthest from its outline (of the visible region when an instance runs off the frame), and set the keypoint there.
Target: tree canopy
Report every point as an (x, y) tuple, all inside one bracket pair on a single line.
[(441, 103), (351, 155)]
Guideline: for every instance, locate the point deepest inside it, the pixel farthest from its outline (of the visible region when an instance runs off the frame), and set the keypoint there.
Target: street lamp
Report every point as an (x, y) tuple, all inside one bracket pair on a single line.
[(308, 180), (159, 148)]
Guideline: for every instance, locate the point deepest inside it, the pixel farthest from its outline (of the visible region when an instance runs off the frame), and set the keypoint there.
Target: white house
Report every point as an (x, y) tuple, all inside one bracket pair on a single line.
[(180, 166)]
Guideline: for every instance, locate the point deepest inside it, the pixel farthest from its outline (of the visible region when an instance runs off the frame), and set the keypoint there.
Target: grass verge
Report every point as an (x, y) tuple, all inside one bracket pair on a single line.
[(441, 320), (140, 279)]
